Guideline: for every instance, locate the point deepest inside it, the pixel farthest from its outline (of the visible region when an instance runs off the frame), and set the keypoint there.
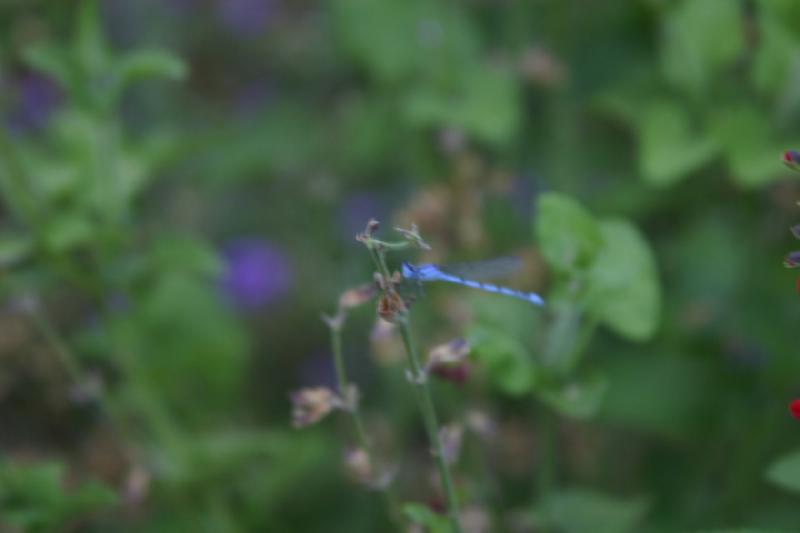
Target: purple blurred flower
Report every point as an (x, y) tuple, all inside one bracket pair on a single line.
[(357, 209), (246, 16), (37, 98), (256, 273)]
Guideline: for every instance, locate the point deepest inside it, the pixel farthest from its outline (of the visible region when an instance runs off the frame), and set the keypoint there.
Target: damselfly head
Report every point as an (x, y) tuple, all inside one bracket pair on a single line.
[(408, 271)]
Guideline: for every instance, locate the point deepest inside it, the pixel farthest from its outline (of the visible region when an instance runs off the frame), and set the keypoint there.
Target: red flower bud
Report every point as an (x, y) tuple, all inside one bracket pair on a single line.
[(794, 408)]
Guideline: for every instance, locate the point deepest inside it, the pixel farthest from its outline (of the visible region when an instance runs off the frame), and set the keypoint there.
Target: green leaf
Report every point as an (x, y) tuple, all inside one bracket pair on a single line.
[(179, 327), (669, 148), (424, 516), (624, 292), (579, 399), (508, 364), (402, 39), (13, 248), (184, 254), (32, 497), (90, 48), (568, 235), (778, 50), (666, 394), (67, 231), (144, 65), (485, 104), (699, 39), (581, 510), (746, 138), (785, 472), (51, 60)]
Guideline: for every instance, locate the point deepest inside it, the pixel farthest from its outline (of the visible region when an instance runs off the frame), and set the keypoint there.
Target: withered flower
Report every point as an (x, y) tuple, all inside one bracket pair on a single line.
[(369, 231), (449, 361), (391, 306), (412, 235), (359, 466), (310, 405), (357, 296), (451, 352)]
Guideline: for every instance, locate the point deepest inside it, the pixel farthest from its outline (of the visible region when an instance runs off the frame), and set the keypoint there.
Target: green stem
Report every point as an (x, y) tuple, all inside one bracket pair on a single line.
[(426, 404), (344, 387), (364, 441), (425, 400)]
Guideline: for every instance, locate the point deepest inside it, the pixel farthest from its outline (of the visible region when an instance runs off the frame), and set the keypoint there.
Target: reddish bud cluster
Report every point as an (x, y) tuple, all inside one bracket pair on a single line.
[(791, 158), (794, 408)]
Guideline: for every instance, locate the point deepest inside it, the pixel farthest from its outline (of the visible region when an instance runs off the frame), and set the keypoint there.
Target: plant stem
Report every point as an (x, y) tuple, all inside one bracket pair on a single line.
[(425, 400), (358, 423), (344, 387)]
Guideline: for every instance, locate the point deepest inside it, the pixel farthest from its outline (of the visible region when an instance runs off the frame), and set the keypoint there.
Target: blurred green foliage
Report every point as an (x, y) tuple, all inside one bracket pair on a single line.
[(629, 151)]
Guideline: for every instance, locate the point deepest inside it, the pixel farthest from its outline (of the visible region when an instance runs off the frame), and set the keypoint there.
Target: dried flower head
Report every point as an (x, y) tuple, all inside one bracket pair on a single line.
[(391, 306), (357, 296), (358, 465), (457, 374), (310, 405), (451, 352), (448, 361), (412, 235), (369, 231)]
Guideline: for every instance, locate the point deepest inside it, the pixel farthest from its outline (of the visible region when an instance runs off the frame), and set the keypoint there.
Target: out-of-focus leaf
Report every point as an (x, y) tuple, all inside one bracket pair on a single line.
[(32, 497), (397, 40), (578, 399), (144, 65), (179, 328), (581, 510), (90, 47), (664, 393), (508, 364), (624, 292), (52, 61), (485, 104), (424, 516), (746, 138), (699, 39), (13, 248), (785, 472), (184, 254), (778, 53), (669, 147), (568, 235), (68, 230)]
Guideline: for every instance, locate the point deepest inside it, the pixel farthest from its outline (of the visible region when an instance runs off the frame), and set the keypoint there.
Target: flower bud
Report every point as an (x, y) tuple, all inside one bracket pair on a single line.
[(791, 158), (311, 405)]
